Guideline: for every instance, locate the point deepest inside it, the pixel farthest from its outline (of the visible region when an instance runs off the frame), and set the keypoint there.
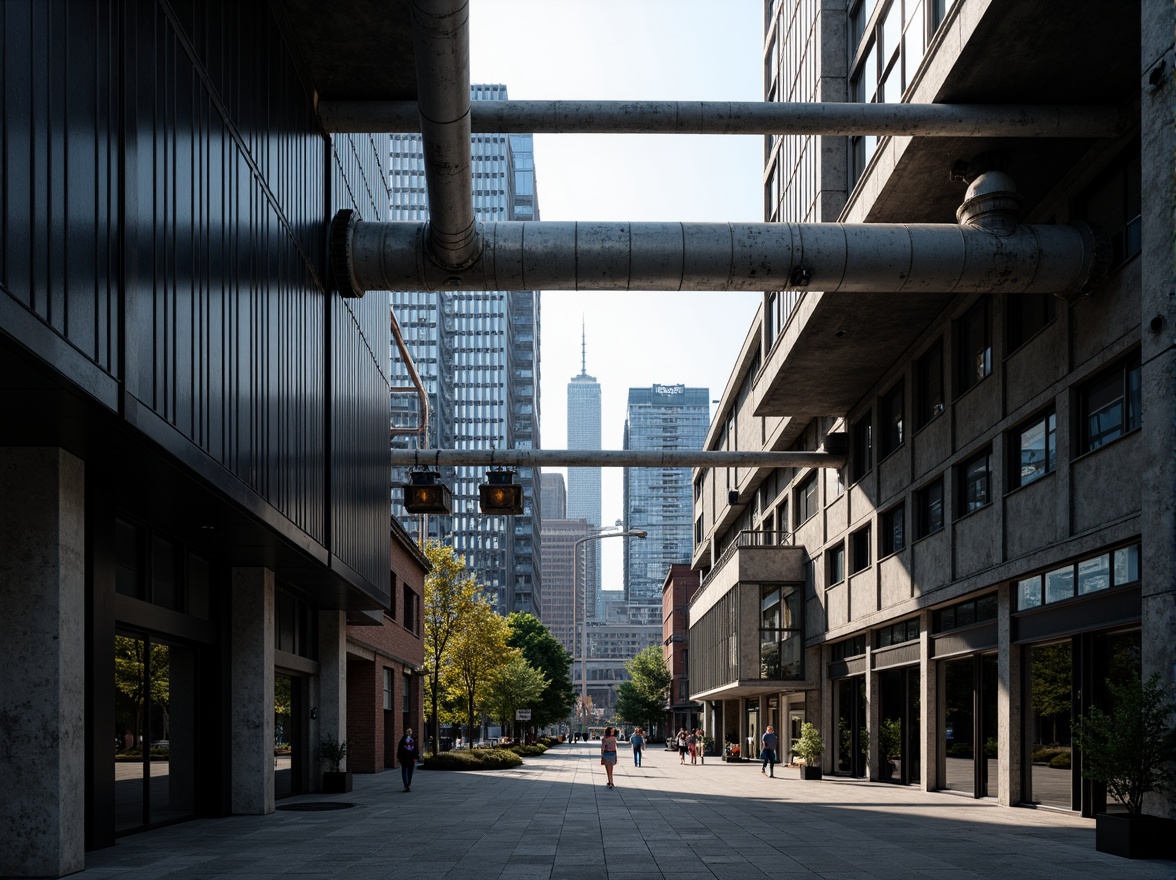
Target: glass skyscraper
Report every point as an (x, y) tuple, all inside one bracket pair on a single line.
[(659, 500), (478, 355)]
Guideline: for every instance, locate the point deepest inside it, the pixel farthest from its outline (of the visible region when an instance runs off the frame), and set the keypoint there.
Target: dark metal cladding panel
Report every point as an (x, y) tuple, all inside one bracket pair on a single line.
[(225, 207), (360, 364), (59, 162), (899, 655)]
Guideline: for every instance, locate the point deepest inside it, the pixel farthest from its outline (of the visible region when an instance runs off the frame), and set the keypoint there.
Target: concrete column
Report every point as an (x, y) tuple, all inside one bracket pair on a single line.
[(252, 675), (1010, 727), (873, 712), (929, 732), (42, 681), (332, 684), (1158, 301)]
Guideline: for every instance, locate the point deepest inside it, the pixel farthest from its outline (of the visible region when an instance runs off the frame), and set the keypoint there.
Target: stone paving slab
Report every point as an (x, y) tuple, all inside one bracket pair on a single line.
[(554, 819)]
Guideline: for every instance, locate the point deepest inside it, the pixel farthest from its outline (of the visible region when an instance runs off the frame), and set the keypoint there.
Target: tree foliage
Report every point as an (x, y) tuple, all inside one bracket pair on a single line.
[(545, 653), (478, 649), (131, 678), (643, 698), (516, 685), (1129, 749), (449, 597)]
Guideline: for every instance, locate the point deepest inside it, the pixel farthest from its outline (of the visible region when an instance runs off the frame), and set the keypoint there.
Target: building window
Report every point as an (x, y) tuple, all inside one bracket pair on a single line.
[(979, 610), (1113, 203), (854, 647), (1026, 315), (406, 694), (893, 528), (412, 610), (975, 484), (890, 421), (781, 632), (973, 347), (928, 504), (929, 386), (835, 565), (806, 499), (863, 447), (388, 688), (859, 550), (1033, 450), (1090, 575), (898, 633), (1110, 405)]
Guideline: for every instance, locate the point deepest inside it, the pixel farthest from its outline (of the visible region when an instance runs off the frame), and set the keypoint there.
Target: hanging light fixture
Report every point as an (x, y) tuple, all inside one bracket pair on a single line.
[(500, 493), (425, 493)]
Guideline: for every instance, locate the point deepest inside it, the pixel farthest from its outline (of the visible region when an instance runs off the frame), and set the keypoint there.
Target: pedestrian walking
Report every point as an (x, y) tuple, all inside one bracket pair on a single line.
[(608, 753), (680, 741), (692, 746), (407, 753), (701, 746), (768, 754), (637, 741)]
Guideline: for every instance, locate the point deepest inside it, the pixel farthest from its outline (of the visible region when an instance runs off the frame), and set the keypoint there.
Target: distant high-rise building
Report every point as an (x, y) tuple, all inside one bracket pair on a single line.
[(477, 355), (584, 433), (554, 496), (659, 500), (563, 589)]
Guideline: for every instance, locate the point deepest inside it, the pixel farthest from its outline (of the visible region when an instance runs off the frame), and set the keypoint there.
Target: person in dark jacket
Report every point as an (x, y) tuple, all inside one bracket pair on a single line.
[(768, 755), (407, 752)]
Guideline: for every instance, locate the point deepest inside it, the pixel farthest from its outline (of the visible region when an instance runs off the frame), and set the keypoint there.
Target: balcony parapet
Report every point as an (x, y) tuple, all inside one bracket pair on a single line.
[(754, 557)]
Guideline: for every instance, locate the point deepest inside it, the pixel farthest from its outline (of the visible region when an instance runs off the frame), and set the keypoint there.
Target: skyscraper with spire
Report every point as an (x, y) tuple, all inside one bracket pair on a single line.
[(584, 433)]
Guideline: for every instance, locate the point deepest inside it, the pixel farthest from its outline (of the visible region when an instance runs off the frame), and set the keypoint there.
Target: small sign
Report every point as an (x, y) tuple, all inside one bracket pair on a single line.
[(522, 714)]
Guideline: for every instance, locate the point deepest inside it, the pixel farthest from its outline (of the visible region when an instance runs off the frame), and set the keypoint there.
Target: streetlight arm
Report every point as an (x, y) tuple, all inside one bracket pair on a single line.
[(627, 533)]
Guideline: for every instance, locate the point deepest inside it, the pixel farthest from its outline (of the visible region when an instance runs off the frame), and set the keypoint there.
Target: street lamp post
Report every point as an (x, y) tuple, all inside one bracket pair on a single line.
[(627, 533)]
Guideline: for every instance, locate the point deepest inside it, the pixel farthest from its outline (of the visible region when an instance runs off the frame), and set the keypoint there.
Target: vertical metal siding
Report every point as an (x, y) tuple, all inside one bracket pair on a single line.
[(361, 365), (59, 111), (164, 172)]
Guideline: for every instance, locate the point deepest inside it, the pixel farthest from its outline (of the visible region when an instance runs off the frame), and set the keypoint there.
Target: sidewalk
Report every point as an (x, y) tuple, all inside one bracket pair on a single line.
[(554, 818)]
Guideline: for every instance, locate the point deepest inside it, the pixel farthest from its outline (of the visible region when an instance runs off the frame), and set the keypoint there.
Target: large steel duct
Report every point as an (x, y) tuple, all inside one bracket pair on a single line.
[(740, 117), (833, 257), (666, 458), (441, 42)]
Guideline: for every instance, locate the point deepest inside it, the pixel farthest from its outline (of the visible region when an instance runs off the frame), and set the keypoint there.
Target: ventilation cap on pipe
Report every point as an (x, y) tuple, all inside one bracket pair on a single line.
[(991, 203)]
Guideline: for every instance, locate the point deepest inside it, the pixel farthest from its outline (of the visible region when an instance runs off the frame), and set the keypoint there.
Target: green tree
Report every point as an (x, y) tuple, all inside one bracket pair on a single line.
[(478, 650), (1130, 748), (544, 652), (516, 685), (130, 678), (449, 597), (643, 698)]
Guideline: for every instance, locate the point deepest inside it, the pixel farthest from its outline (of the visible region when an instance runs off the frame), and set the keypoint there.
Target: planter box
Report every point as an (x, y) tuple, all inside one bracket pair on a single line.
[(1135, 837), (810, 772), (337, 783), (732, 759)]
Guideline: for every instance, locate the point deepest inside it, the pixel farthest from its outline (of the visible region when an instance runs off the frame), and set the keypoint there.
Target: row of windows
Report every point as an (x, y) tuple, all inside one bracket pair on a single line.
[(1080, 578), (1109, 407)]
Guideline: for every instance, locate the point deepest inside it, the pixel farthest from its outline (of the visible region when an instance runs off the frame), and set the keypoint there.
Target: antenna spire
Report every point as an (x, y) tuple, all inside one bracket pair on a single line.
[(583, 349)]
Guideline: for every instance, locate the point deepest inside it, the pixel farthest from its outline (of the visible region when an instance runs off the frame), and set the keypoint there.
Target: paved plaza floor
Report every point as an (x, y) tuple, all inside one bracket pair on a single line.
[(554, 818)]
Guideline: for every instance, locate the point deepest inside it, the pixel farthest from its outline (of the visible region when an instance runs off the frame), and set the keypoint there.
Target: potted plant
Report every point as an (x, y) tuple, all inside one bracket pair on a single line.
[(334, 753), (889, 745), (1128, 750), (808, 749)]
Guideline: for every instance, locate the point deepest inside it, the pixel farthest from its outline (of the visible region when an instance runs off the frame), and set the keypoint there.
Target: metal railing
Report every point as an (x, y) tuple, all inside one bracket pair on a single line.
[(748, 538)]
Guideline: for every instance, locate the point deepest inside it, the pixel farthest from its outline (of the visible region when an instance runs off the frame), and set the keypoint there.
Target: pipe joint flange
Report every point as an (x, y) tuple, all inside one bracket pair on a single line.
[(339, 245), (436, 256), (1100, 252)]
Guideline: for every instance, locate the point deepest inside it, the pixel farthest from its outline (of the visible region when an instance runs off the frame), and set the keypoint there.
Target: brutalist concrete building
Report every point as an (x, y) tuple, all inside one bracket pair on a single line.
[(194, 447), (1000, 541)]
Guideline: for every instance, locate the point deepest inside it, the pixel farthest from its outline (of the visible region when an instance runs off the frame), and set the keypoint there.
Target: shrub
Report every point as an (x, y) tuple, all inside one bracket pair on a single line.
[(1060, 760), (473, 759), (1044, 756), (528, 751)]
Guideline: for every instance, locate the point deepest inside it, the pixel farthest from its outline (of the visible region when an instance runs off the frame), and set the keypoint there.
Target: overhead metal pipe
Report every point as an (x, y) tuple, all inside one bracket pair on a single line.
[(741, 117), (418, 387), (829, 257), (441, 43), (668, 458)]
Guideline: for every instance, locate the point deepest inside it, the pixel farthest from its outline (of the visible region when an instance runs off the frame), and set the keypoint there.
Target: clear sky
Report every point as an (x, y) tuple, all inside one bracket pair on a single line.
[(688, 50)]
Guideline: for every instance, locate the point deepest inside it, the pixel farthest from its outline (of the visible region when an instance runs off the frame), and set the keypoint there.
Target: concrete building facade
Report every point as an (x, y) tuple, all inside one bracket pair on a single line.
[(1000, 543), (680, 586)]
